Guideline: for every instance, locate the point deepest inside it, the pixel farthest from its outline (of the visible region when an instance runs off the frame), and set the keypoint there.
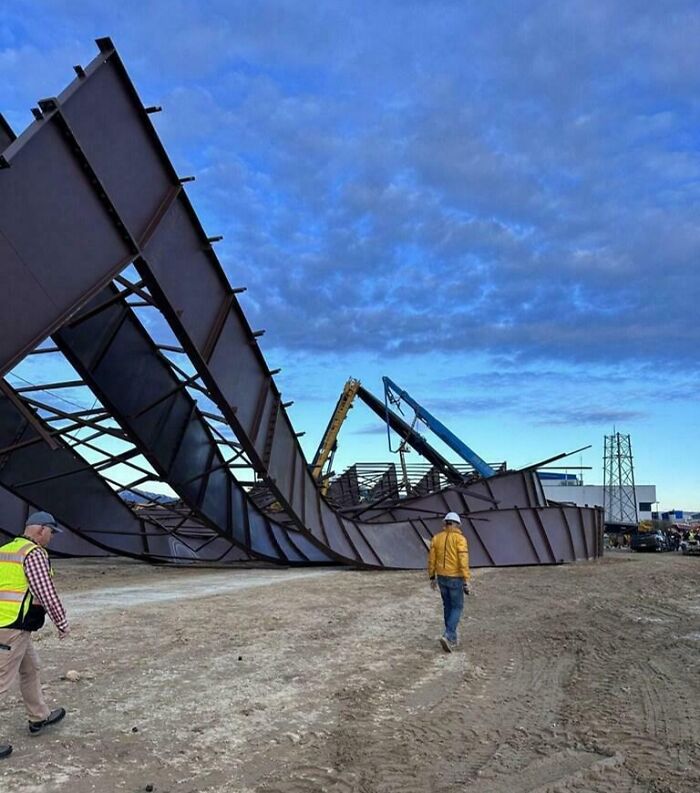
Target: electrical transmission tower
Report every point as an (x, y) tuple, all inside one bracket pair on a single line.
[(618, 481)]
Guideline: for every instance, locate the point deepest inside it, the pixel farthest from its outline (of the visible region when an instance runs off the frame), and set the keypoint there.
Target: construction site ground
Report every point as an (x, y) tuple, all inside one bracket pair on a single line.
[(572, 678)]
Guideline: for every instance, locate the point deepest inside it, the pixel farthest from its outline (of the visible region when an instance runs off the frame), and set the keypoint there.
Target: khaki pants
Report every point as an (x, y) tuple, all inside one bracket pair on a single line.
[(22, 659)]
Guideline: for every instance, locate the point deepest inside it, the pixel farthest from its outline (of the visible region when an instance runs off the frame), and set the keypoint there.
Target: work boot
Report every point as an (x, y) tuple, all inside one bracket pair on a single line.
[(446, 644), (35, 727), (5, 750)]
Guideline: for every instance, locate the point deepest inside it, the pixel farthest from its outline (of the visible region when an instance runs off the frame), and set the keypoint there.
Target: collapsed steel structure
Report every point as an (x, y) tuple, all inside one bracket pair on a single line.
[(96, 229)]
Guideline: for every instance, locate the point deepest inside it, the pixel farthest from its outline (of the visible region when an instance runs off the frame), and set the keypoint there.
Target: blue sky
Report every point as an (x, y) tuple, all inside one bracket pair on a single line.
[(497, 205)]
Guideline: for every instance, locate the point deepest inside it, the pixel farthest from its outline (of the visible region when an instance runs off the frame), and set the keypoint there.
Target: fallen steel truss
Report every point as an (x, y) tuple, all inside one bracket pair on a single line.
[(87, 195), (79, 493), (363, 485)]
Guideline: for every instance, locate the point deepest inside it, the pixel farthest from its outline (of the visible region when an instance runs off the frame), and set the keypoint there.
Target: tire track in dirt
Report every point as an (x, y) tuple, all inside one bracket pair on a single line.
[(429, 712), (336, 683), (561, 769), (545, 709), (441, 710), (637, 703)]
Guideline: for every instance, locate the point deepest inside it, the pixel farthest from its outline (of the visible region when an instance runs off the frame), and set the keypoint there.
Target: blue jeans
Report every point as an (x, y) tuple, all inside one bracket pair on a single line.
[(452, 593)]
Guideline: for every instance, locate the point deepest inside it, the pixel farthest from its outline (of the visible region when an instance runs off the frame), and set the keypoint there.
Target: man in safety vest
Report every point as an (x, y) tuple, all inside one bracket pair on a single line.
[(448, 568), (27, 593)]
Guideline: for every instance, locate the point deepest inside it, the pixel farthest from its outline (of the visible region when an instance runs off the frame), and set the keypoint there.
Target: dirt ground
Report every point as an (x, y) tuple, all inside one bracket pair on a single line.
[(573, 678)]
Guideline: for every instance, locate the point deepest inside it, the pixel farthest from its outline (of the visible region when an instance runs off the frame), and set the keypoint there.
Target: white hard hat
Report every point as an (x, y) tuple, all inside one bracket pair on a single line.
[(452, 517)]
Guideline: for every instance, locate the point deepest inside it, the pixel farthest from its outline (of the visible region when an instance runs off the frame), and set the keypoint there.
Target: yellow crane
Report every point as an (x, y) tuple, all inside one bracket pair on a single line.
[(329, 441)]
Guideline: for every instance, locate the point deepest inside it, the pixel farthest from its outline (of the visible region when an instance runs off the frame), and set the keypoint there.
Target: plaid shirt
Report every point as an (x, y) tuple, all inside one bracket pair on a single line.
[(38, 572)]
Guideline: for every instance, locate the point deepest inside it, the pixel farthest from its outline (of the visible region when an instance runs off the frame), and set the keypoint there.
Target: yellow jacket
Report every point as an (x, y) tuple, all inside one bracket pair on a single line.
[(449, 555)]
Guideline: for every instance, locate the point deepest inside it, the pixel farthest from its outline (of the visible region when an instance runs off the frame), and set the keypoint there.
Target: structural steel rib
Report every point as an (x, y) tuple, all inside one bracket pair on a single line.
[(60, 481), (98, 521), (132, 207), (108, 346), (13, 509), (154, 182), (509, 490), (14, 512), (54, 257), (549, 535)]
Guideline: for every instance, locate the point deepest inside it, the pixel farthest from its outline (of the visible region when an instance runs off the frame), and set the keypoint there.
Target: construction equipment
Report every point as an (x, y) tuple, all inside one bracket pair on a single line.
[(394, 395), (329, 442), (322, 464), (408, 434)]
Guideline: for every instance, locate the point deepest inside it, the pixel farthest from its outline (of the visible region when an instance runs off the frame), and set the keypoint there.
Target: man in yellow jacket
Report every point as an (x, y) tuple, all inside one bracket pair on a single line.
[(448, 568)]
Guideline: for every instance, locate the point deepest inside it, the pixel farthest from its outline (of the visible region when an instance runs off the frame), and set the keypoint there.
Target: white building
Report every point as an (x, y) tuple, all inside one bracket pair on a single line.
[(571, 490)]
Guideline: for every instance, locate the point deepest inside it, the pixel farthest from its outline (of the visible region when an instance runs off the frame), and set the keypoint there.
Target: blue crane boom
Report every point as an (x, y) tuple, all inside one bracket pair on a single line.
[(440, 429)]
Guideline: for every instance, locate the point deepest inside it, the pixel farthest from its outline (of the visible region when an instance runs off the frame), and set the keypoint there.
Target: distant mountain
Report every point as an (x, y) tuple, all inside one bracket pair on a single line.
[(143, 496)]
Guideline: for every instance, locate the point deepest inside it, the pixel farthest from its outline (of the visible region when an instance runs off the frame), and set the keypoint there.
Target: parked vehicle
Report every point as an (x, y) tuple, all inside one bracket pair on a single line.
[(690, 547), (650, 541)]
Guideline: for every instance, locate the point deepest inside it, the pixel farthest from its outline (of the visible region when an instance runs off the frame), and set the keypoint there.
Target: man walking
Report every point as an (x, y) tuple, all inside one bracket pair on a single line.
[(27, 593), (448, 568)]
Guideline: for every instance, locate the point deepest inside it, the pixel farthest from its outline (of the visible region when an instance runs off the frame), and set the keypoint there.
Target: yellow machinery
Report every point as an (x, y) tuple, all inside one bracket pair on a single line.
[(329, 441)]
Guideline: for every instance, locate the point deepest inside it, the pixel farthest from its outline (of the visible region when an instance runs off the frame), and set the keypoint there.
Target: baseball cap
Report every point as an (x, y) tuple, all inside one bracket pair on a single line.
[(43, 519)]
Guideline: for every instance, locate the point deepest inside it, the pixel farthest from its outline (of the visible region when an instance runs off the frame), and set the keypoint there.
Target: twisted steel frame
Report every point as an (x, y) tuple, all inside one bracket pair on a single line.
[(85, 192)]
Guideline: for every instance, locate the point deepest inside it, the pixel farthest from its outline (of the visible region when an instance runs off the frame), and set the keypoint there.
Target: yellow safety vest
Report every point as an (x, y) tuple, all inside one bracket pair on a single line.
[(15, 596)]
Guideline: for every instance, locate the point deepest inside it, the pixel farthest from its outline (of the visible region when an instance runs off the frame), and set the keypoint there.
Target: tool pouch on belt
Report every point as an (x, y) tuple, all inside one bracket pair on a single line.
[(34, 618)]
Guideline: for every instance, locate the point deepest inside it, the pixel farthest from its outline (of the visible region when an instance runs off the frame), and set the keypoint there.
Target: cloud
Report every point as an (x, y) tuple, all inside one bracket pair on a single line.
[(432, 177), (464, 405), (592, 417), (376, 428)]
